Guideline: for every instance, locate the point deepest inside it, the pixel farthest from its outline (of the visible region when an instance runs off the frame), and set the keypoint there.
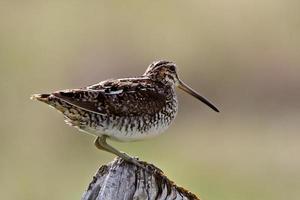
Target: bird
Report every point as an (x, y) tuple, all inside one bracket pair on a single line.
[(125, 109)]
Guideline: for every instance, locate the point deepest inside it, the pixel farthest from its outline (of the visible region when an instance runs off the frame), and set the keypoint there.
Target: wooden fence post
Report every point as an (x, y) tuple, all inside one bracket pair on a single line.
[(120, 180)]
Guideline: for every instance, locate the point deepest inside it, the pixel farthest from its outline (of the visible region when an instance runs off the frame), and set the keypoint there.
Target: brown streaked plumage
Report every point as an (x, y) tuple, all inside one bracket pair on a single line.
[(125, 109)]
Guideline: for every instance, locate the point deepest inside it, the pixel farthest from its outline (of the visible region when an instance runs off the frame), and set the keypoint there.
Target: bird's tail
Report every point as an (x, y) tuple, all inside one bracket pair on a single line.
[(51, 100), (41, 97)]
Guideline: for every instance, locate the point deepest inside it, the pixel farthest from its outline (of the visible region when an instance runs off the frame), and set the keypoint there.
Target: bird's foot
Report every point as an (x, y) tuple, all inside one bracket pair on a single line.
[(135, 161)]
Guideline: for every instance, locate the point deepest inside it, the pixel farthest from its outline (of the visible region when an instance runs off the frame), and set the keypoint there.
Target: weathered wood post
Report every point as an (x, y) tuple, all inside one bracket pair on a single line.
[(120, 180)]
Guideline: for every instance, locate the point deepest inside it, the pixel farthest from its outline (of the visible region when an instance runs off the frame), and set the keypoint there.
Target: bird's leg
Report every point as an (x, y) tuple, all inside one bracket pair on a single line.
[(101, 144)]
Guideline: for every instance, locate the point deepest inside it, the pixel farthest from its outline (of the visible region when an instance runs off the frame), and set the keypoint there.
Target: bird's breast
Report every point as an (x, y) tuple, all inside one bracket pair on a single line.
[(132, 128)]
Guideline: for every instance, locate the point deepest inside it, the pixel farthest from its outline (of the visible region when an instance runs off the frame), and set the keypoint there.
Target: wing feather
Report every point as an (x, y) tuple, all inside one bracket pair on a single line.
[(119, 98)]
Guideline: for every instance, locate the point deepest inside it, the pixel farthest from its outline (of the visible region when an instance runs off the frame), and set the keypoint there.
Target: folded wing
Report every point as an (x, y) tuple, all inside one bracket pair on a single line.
[(119, 98)]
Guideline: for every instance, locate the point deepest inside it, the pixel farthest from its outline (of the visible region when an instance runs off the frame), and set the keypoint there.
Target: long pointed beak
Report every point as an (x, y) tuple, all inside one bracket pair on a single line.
[(192, 92)]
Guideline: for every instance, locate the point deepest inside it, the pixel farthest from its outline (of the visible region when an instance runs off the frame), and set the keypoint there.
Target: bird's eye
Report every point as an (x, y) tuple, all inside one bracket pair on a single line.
[(172, 68)]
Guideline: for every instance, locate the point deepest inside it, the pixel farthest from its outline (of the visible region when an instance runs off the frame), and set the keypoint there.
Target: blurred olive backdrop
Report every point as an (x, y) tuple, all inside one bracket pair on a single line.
[(243, 55)]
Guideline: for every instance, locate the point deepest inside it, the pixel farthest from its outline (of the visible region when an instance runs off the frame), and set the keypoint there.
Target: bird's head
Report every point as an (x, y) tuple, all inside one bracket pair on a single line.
[(166, 72)]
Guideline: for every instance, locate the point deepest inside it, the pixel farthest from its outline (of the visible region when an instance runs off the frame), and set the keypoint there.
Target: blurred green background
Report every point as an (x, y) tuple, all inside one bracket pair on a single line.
[(243, 55)]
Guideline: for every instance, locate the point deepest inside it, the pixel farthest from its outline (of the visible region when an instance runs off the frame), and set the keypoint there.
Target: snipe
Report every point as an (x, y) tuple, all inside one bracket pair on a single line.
[(126, 109)]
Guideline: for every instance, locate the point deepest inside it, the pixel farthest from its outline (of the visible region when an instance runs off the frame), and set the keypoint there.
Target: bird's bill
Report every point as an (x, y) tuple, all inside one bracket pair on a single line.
[(192, 92)]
